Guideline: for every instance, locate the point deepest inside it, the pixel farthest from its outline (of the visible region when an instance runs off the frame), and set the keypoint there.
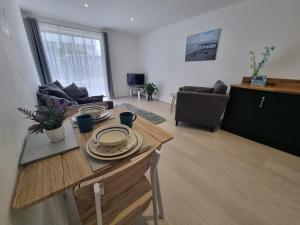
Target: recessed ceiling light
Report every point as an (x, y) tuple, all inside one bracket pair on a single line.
[(132, 19), (86, 5)]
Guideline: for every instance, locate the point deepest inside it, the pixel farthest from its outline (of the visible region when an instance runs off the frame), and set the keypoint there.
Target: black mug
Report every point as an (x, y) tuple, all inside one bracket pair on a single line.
[(127, 118), (85, 123)]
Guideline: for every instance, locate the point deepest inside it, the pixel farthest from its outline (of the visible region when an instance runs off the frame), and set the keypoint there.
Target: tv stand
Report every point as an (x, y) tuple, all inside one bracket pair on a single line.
[(136, 88)]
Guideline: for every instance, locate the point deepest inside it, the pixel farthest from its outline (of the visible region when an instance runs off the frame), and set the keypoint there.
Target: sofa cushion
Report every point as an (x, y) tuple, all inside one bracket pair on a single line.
[(91, 99), (58, 84), (85, 91), (53, 90), (74, 91), (219, 88), (43, 99)]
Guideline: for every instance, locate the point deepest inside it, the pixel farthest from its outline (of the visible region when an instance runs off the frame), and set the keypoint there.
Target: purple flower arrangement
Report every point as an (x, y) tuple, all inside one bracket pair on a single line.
[(48, 117)]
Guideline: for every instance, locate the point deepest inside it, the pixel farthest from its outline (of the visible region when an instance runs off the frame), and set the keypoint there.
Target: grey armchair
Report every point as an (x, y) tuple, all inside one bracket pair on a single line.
[(201, 105)]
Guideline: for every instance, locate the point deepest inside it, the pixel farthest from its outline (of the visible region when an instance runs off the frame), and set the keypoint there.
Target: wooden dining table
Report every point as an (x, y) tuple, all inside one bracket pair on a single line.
[(48, 177)]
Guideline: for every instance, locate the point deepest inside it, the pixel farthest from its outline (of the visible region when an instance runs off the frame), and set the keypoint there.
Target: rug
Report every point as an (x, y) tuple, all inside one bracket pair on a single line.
[(153, 118)]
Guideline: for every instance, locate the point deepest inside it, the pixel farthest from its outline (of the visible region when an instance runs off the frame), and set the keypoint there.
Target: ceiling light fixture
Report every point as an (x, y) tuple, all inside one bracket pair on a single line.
[(86, 5), (132, 19)]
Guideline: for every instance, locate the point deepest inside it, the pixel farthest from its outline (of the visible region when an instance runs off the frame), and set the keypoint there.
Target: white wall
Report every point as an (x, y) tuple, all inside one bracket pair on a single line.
[(124, 59), (18, 83), (249, 25)]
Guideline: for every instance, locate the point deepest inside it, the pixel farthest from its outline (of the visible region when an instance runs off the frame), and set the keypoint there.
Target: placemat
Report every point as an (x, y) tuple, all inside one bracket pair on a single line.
[(38, 147), (97, 164)]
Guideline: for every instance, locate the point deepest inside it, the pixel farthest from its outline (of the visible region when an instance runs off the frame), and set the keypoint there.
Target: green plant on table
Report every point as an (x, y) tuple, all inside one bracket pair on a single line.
[(48, 117), (151, 90), (255, 66)]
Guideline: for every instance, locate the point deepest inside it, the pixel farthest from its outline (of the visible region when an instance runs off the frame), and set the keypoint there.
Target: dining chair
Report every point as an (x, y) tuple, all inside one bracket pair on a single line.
[(121, 195)]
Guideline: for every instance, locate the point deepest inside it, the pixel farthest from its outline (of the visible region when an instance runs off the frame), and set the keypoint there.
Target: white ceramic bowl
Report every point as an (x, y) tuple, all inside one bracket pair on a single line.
[(112, 136)]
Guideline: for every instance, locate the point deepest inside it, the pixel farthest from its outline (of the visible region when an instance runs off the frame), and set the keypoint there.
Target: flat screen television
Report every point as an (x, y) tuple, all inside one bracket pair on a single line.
[(135, 79)]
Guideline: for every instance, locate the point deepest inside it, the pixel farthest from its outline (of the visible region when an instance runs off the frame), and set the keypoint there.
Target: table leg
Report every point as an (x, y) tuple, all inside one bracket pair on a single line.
[(61, 213), (139, 94), (130, 92), (67, 209)]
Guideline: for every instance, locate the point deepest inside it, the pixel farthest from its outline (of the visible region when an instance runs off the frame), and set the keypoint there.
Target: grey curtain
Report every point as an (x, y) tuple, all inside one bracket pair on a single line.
[(108, 67), (37, 49)]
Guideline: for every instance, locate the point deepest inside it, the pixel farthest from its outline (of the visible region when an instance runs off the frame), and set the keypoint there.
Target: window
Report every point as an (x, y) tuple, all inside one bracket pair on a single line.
[(75, 55)]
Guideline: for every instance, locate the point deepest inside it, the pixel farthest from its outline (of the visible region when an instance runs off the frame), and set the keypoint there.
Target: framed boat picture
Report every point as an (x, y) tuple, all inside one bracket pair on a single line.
[(202, 46)]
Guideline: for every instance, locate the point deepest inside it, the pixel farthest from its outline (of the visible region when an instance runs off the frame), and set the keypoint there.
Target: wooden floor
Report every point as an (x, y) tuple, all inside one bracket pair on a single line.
[(223, 179)]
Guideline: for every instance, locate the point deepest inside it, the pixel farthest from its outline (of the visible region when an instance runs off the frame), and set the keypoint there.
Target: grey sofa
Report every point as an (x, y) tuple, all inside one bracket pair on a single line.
[(72, 94), (201, 105)]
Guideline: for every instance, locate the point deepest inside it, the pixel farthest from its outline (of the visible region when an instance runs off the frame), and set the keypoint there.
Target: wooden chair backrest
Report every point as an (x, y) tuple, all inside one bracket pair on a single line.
[(118, 180)]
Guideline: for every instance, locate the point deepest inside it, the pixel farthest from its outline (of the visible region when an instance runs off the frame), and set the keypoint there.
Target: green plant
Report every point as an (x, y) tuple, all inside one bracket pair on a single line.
[(48, 117), (150, 89), (256, 67)]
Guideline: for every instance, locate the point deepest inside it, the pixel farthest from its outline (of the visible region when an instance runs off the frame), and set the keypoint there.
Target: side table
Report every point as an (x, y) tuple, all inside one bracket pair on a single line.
[(174, 96)]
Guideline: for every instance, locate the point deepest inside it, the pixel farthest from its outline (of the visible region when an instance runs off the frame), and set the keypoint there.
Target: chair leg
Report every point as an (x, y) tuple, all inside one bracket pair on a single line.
[(154, 197), (61, 210), (159, 198), (98, 189), (154, 185)]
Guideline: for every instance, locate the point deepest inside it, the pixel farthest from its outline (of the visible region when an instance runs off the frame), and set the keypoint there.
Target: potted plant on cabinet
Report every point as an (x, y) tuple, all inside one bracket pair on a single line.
[(48, 119), (258, 79), (150, 89)]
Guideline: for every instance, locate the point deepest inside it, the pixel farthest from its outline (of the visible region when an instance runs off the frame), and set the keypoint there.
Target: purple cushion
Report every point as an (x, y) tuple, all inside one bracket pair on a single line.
[(53, 90), (43, 99), (74, 91)]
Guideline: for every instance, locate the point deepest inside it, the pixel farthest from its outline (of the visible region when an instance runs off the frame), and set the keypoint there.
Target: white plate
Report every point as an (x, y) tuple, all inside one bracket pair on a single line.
[(112, 135), (112, 151), (132, 151), (93, 110), (104, 115)]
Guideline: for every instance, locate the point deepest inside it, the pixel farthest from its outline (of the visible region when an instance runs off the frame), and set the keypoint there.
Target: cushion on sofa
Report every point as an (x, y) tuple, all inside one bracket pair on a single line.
[(58, 84), (85, 91), (86, 100), (53, 90), (219, 88), (74, 91), (43, 99)]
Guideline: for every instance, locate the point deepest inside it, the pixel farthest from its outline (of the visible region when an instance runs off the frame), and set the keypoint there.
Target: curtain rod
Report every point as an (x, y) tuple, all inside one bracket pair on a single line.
[(67, 26)]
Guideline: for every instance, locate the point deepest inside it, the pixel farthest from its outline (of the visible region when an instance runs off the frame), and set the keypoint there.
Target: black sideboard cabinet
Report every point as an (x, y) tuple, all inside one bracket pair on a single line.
[(268, 117)]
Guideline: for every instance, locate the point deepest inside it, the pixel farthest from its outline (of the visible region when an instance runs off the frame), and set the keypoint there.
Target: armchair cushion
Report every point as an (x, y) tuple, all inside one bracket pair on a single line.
[(219, 88), (74, 91), (196, 89), (204, 90)]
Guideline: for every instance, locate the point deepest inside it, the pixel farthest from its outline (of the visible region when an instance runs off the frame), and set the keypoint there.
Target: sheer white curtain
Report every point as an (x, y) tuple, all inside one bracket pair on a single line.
[(77, 56)]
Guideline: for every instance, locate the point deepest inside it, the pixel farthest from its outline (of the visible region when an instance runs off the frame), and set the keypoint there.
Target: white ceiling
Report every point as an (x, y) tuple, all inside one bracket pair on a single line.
[(116, 14)]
